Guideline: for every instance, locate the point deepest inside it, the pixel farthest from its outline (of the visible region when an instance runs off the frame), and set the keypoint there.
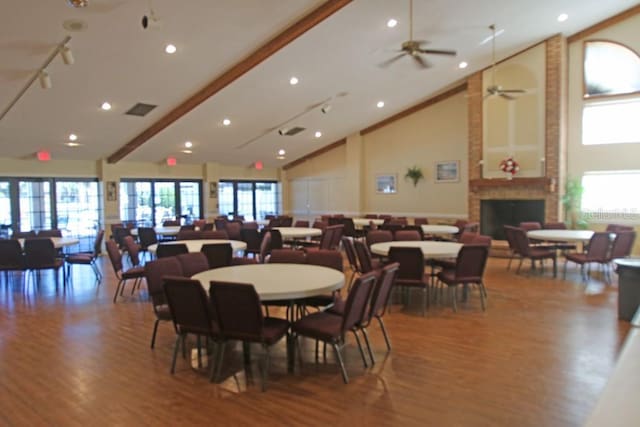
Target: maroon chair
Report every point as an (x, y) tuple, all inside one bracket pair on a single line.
[(11, 257), (154, 272), (352, 258), (249, 225), (481, 239), (371, 216), (135, 273), (411, 271), (530, 225), (87, 258), (209, 226), (554, 226), (233, 229), (378, 236), (146, 237), (170, 249), (338, 231), (301, 223), (189, 235), (24, 234), (367, 263), (597, 252), (287, 256), (324, 258), (50, 233), (187, 227), (332, 329), (253, 240), (193, 263), (420, 221), (214, 235), (239, 315), (614, 228), (407, 235), (513, 245), (199, 223), (217, 254), (469, 270), (133, 250), (41, 254), (622, 245), (534, 253), (191, 313), (171, 223)]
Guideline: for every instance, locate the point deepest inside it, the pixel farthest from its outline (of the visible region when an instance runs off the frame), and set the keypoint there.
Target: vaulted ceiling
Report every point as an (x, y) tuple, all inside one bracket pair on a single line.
[(337, 61)]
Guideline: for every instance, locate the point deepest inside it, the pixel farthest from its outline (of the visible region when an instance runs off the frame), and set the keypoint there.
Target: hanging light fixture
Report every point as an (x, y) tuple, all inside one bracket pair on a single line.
[(45, 80), (78, 3)]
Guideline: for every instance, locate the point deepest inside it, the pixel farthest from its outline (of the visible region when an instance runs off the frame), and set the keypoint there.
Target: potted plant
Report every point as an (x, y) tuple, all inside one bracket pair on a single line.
[(414, 174), (571, 203)]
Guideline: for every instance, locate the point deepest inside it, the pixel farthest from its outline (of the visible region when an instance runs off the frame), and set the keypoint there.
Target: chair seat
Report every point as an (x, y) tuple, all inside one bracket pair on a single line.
[(163, 312), (582, 258), (449, 277), (338, 307), (322, 325), (80, 258), (318, 301), (539, 253), (133, 273), (273, 329), (56, 264), (413, 283)]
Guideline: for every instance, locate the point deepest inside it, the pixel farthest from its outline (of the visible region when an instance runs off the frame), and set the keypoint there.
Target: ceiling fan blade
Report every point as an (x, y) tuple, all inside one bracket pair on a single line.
[(420, 61), (439, 52), (391, 60), (505, 96), (513, 91)]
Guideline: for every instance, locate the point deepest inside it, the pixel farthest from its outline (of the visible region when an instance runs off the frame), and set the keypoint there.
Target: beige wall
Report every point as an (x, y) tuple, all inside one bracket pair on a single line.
[(436, 133)]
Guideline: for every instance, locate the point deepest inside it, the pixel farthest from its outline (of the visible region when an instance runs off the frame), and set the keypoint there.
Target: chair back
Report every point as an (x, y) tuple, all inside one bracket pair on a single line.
[(481, 239), (364, 256), (471, 262), (357, 300), (187, 227), (349, 249), (249, 225), (50, 233), (199, 223), (11, 256), (599, 245), (217, 254), (132, 249), (349, 228), (276, 240), (554, 226), (325, 258), (522, 241), (171, 249), (338, 231), (146, 237), (378, 236), (287, 256), (285, 220), (530, 225), (407, 235), (320, 224), (39, 253), (189, 235), (207, 227), (97, 243), (622, 244), (119, 233), (460, 224), (252, 238), (411, 263), (466, 237), (220, 223), (382, 290), (511, 238), (214, 235), (614, 228), (265, 246), (155, 271), (472, 227), (193, 263), (301, 223), (238, 310), (371, 216), (189, 306), (233, 229), (327, 237), (420, 221), (114, 255), (171, 223), (24, 234)]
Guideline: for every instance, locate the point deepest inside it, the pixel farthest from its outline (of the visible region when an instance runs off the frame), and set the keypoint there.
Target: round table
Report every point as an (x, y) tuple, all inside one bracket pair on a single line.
[(58, 242), (360, 223), (439, 229), (171, 230), (561, 235), (196, 245), (278, 281), (429, 248), (298, 232)]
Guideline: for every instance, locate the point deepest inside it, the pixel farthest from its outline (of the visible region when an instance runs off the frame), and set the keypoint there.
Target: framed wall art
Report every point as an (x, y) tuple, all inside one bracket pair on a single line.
[(447, 171), (386, 184)]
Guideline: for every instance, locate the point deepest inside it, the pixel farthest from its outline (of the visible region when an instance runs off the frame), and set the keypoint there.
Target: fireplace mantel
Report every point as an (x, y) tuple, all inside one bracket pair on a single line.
[(542, 183)]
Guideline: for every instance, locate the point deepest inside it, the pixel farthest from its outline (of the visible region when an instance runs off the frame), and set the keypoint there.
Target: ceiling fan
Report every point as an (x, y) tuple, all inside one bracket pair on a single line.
[(414, 49), (495, 89)]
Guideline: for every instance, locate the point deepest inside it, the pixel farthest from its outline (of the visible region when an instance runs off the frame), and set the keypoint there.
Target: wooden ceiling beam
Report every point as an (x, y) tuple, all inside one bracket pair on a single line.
[(265, 51)]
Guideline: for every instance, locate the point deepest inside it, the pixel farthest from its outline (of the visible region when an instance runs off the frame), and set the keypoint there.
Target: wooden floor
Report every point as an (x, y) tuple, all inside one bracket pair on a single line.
[(539, 356)]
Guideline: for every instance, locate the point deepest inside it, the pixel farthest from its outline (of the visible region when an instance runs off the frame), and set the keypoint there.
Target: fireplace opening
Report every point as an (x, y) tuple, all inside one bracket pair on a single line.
[(494, 214)]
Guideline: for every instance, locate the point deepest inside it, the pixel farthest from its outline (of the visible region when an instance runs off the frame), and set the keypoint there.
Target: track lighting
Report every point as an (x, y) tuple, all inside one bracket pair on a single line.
[(45, 80), (78, 3), (326, 108), (67, 56)]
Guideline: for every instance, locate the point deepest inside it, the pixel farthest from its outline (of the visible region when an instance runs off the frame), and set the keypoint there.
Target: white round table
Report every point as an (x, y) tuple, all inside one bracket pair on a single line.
[(196, 245), (439, 229), (561, 235), (360, 223), (298, 232), (430, 249), (58, 242), (278, 281), (161, 231)]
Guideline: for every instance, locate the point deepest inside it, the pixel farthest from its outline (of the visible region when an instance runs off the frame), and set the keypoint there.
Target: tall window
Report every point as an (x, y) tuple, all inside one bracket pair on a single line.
[(35, 205), (252, 199), (151, 202), (607, 196), (76, 212)]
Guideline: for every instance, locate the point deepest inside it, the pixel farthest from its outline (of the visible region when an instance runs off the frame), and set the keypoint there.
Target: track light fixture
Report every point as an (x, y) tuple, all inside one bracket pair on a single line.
[(45, 80), (67, 56), (326, 108)]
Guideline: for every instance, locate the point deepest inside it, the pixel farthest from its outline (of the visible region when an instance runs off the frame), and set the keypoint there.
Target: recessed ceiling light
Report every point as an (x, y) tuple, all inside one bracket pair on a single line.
[(170, 48), (73, 137), (392, 23), (72, 144), (380, 104), (226, 122), (563, 17), (293, 81), (188, 144), (281, 152), (106, 106), (318, 134), (187, 151), (462, 65)]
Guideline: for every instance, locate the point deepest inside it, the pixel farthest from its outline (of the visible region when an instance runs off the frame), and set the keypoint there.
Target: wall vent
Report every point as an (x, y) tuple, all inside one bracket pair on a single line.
[(293, 131), (140, 109)]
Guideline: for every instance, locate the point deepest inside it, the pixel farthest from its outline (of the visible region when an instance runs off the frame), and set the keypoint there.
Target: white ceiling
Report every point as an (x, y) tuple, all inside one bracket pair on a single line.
[(118, 61)]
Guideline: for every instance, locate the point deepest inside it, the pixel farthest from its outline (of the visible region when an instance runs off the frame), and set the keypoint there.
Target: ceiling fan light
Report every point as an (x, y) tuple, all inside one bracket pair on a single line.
[(45, 79)]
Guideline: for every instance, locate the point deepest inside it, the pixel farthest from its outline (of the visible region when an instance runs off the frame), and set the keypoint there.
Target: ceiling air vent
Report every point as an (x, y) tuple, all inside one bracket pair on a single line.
[(290, 132), (140, 109)]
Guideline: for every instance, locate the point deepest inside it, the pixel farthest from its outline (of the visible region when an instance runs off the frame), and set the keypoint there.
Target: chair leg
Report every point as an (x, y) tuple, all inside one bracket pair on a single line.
[(482, 295), (564, 270), (345, 377), (366, 341), (364, 359), (265, 369), (153, 336), (218, 369), (555, 267), (176, 348), (115, 296), (454, 290), (519, 266), (384, 333)]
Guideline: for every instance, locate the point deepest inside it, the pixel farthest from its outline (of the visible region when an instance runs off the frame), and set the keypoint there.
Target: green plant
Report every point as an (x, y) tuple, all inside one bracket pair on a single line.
[(414, 174), (571, 201)]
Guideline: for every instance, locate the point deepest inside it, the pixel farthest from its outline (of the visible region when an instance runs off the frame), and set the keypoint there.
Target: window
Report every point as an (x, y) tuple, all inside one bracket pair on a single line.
[(612, 122), (76, 209), (608, 195), (150, 202), (252, 199)]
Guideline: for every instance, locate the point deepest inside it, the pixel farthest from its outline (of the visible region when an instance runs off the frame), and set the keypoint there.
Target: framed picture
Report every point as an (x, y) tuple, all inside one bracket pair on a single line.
[(213, 190), (112, 191), (386, 184), (448, 171)]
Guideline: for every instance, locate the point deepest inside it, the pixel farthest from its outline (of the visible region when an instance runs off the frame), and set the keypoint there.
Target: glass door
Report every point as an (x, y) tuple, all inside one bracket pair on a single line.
[(78, 210), (245, 200), (164, 201), (135, 203), (226, 198), (189, 201), (34, 198), (5, 209)]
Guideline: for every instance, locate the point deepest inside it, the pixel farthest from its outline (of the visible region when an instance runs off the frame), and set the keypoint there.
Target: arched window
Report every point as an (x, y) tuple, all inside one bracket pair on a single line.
[(610, 68)]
